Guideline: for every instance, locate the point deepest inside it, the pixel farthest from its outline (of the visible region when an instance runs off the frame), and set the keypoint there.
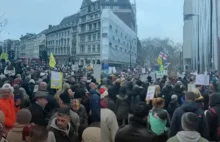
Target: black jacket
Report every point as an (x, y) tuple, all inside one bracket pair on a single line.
[(39, 116), (172, 107), (136, 131), (202, 125)]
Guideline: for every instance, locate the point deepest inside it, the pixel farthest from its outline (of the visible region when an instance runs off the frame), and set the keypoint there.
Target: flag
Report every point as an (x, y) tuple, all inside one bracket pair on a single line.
[(52, 61), (163, 55), (161, 68), (159, 60), (4, 56)]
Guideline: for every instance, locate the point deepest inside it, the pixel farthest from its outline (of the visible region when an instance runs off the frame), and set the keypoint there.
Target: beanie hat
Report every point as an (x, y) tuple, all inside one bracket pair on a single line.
[(189, 121), (103, 93), (174, 97), (65, 97), (91, 134), (8, 86), (141, 110), (23, 116)]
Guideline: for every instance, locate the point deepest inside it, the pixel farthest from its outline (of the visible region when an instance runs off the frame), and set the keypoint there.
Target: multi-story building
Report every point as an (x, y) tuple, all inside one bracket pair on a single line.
[(11, 47), (30, 46), (61, 39), (15, 48), (78, 37), (119, 42), (201, 44), (1, 45)]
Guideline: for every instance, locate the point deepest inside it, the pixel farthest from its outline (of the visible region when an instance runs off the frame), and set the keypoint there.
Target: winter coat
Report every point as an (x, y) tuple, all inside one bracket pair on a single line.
[(202, 125), (95, 105), (166, 94), (59, 135), (111, 105), (82, 115), (172, 107), (7, 106), (212, 119), (109, 125), (122, 107), (15, 134), (187, 136), (39, 116), (9, 72), (136, 131)]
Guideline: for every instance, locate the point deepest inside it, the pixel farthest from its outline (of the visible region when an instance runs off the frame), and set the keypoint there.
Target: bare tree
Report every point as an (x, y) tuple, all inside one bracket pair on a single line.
[(153, 46), (3, 22)]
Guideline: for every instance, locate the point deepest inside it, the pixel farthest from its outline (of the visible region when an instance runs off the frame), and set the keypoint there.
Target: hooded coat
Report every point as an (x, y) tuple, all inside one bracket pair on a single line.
[(172, 107), (213, 120), (202, 125), (122, 107)]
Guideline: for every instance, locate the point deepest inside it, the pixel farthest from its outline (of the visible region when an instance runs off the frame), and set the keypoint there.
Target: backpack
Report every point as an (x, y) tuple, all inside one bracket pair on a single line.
[(213, 112)]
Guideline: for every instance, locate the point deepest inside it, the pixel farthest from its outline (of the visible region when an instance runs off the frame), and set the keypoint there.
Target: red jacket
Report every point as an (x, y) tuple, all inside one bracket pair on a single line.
[(8, 108)]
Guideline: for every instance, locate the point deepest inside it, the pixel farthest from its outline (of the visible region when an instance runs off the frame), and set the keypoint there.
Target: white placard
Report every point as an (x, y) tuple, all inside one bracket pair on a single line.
[(55, 75), (202, 79), (191, 87), (160, 74), (114, 70), (150, 92), (97, 71)]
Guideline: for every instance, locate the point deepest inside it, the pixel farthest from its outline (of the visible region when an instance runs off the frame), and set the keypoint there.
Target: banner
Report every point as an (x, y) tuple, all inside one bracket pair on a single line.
[(52, 61), (160, 74), (56, 80), (202, 79)]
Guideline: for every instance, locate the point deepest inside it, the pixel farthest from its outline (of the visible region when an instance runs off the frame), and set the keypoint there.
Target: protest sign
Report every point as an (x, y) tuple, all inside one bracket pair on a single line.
[(160, 74), (150, 92), (56, 80), (202, 79), (191, 87), (97, 71)]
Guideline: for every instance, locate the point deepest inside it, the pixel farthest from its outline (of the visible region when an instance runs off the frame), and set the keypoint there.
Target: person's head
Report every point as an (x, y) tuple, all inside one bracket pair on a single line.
[(79, 93), (158, 102), (38, 134), (64, 99), (93, 85), (198, 95), (63, 118), (123, 90), (23, 117), (189, 121), (43, 86), (91, 134), (18, 76), (141, 110), (157, 91), (104, 94), (189, 97), (214, 99), (174, 97), (41, 98)]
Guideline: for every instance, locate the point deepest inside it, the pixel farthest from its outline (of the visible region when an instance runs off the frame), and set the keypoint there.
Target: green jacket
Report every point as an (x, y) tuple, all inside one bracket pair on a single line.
[(174, 139)]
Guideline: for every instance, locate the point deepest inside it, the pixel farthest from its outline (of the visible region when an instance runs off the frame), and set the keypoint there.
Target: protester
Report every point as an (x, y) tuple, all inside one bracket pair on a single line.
[(60, 129), (7, 105), (38, 134), (94, 103), (91, 134), (137, 130), (189, 134), (173, 105), (2, 133), (109, 124), (39, 116), (23, 118), (189, 106)]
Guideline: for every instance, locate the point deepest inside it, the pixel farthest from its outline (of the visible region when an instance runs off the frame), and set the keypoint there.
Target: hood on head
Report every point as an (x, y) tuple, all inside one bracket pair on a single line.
[(122, 96), (190, 106), (53, 125), (215, 99), (188, 136)]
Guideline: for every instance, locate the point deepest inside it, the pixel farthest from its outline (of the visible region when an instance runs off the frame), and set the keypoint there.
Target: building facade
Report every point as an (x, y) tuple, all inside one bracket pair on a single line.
[(78, 38), (119, 42), (204, 35), (11, 47)]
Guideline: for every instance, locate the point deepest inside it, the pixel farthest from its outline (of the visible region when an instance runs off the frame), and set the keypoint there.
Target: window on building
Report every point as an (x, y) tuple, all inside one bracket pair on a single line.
[(68, 33), (98, 35), (119, 40), (110, 44), (93, 48), (98, 48), (96, 15), (89, 37), (113, 37), (82, 38), (94, 36), (82, 48), (90, 27), (116, 31), (116, 47), (104, 34), (115, 7), (68, 40), (120, 49), (94, 26), (89, 48)]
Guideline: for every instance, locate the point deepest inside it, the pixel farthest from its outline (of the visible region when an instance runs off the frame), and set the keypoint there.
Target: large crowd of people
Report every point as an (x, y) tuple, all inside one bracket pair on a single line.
[(114, 110)]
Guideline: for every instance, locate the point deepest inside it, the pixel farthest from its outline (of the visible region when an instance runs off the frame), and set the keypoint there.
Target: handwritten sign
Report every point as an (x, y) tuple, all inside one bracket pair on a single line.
[(56, 80), (150, 92), (160, 74), (191, 87)]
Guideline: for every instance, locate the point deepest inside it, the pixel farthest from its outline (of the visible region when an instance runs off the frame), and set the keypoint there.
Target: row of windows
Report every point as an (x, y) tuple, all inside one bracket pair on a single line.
[(118, 33), (90, 49), (90, 17), (109, 0), (61, 42), (58, 35), (117, 48), (90, 27), (59, 51), (90, 37)]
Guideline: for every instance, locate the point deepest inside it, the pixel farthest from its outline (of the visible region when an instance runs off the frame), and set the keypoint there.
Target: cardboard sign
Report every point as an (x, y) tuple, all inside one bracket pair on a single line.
[(160, 74), (150, 92), (202, 79), (56, 80)]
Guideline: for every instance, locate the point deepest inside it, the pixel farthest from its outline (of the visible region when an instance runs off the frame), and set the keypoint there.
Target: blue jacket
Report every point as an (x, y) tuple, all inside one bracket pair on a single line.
[(95, 105)]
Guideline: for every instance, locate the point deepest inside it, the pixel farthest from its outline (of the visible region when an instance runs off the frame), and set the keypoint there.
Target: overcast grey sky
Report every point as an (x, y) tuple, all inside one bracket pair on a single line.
[(155, 18)]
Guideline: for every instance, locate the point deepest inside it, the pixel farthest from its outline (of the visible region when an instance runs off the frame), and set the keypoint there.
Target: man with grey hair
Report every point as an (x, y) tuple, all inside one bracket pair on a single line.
[(189, 106)]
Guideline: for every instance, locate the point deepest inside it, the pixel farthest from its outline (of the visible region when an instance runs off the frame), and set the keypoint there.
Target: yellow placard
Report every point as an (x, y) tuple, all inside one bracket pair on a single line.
[(56, 80)]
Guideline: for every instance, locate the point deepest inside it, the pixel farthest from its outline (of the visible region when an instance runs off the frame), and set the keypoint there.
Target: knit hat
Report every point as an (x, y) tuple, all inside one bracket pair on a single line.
[(8, 87), (103, 93), (91, 134), (32, 81), (141, 110), (189, 121), (23, 116), (174, 97)]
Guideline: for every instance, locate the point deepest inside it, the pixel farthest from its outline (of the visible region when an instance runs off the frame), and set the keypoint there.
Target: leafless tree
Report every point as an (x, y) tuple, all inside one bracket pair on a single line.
[(3, 22)]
